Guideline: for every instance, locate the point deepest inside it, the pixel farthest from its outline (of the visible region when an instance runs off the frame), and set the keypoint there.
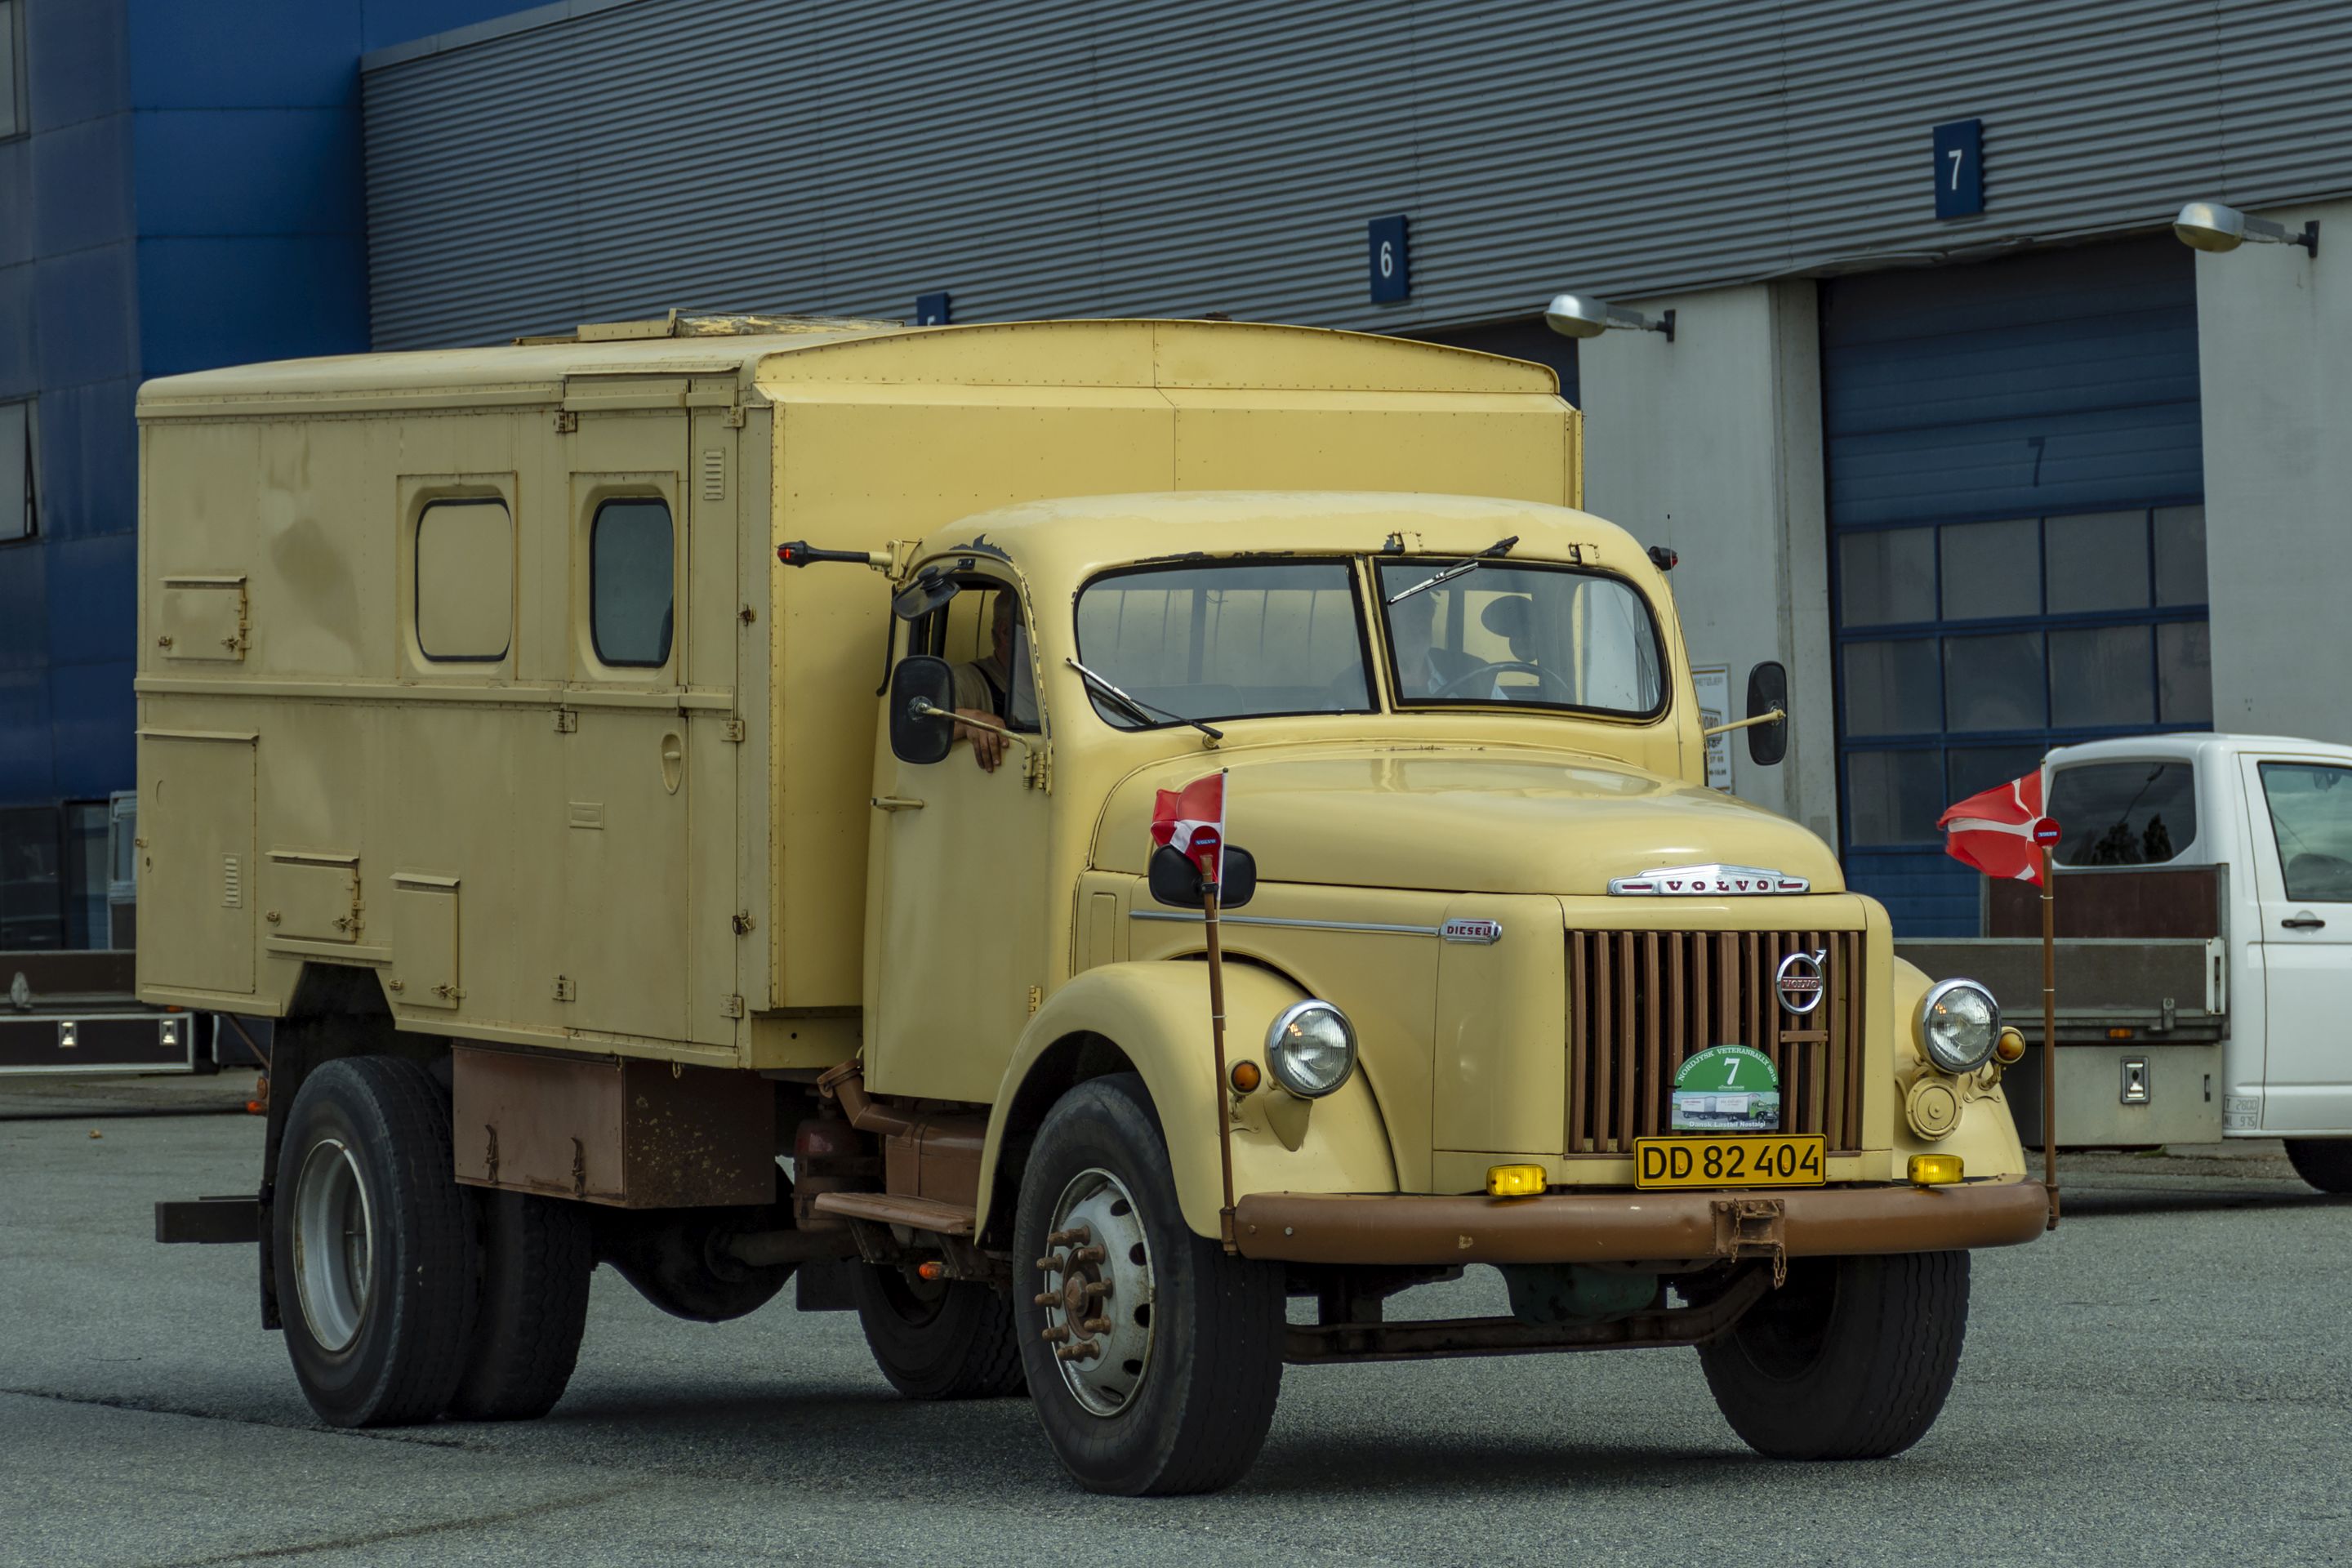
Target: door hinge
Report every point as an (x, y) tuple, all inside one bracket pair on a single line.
[(731, 730), (566, 422), (566, 989), (743, 922), (1037, 770), (735, 417), (567, 721), (732, 1008)]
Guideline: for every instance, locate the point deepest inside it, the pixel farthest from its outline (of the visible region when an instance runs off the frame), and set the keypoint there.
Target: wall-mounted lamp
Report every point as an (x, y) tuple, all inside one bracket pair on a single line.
[(1582, 316), (2210, 225)]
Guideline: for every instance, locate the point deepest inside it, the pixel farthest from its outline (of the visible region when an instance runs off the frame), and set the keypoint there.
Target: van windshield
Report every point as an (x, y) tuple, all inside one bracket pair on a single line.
[(1230, 641), (1518, 633)]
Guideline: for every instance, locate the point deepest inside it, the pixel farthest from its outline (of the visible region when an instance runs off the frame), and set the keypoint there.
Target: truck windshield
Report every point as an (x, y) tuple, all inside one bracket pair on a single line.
[(1226, 641), (1520, 633)]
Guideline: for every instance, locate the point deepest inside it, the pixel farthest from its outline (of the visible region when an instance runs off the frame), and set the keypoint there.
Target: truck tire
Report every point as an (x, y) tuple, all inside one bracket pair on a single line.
[(945, 1339), (2324, 1163), (537, 1254), (1187, 1340), (373, 1242), (1851, 1359)]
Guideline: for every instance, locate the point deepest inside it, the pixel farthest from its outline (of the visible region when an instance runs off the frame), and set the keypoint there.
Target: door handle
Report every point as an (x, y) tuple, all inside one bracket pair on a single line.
[(895, 803), (2303, 922)]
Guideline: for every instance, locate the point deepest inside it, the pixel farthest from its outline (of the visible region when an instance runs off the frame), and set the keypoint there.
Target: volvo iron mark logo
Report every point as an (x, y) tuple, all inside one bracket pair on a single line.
[(1799, 980)]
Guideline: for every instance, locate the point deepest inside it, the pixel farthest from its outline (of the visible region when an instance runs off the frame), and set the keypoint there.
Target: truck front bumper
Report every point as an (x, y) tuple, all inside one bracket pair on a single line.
[(1687, 1227)]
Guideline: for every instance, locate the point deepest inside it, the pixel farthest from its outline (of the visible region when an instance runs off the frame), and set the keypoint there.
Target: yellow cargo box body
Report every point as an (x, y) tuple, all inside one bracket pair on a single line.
[(385, 730)]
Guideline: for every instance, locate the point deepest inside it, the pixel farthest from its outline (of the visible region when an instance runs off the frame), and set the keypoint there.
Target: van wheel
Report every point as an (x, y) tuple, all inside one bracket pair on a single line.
[(376, 1239), (2324, 1163), (537, 1254), (1154, 1358), (1851, 1359), (936, 1339)]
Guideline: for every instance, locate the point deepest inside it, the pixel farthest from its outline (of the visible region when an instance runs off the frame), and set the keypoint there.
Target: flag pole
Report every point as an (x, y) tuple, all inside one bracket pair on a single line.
[(2049, 1035), (1209, 894)]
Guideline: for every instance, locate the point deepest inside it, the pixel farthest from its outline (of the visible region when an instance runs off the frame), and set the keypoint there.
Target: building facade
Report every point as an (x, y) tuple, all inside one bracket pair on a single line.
[(1949, 424)]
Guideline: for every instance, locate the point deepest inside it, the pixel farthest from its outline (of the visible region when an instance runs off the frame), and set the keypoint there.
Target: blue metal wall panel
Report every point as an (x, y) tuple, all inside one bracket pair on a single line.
[(2065, 382), (189, 195)]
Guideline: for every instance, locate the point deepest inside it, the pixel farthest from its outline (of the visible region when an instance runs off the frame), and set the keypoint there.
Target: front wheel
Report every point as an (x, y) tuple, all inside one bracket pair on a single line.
[(1154, 1357), (2324, 1163), (1851, 1359)]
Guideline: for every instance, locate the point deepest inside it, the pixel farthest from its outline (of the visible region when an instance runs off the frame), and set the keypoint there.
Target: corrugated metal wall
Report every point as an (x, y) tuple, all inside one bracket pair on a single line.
[(1052, 157)]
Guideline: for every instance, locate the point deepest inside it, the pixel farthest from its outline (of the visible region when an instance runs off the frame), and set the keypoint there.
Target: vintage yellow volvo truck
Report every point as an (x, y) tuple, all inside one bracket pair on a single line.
[(684, 790)]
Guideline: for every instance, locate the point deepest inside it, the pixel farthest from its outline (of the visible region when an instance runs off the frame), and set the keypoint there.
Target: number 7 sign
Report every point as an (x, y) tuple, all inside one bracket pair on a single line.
[(1959, 169)]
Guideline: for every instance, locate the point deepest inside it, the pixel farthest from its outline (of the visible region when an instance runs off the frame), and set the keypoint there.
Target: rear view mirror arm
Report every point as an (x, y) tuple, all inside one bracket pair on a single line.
[(1774, 717), (924, 708)]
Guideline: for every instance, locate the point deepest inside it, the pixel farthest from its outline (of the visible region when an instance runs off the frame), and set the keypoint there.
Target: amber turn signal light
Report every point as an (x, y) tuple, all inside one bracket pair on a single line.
[(1246, 1077), (2009, 1048), (1935, 1170), (1515, 1181), (931, 1268)]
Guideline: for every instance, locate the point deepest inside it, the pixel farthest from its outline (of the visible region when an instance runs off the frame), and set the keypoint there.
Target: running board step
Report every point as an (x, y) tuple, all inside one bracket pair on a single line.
[(883, 1209)]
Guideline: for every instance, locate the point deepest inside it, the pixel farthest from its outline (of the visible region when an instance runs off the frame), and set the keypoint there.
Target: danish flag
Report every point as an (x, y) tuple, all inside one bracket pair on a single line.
[(1995, 831), (1193, 819)]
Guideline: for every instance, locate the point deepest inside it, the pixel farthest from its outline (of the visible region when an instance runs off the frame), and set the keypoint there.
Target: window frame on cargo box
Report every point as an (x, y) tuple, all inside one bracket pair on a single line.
[(20, 513), (417, 576), (668, 560)]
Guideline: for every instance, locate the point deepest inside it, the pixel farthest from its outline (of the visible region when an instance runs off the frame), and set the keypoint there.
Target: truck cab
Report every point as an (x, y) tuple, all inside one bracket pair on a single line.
[(2203, 902), (513, 731)]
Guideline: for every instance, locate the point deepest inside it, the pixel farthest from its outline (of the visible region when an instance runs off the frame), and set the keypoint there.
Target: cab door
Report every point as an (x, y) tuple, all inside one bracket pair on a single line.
[(957, 953), (2302, 812)]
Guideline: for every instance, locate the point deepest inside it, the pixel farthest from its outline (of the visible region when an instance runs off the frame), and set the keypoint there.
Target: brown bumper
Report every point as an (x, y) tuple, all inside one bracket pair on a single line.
[(1637, 1227)]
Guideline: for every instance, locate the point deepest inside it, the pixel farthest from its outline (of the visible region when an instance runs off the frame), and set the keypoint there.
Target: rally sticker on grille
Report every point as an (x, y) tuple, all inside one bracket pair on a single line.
[(1728, 1088)]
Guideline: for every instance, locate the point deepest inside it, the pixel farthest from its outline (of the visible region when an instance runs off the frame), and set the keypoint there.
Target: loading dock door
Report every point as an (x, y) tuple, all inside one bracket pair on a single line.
[(2016, 492)]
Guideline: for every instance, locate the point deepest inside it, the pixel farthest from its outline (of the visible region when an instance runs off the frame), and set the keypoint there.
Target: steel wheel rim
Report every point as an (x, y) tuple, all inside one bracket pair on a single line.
[(334, 1244), (1100, 1310)]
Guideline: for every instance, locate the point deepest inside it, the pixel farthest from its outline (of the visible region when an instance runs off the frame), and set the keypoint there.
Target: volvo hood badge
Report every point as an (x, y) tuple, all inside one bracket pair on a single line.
[(1799, 980), (1707, 882)]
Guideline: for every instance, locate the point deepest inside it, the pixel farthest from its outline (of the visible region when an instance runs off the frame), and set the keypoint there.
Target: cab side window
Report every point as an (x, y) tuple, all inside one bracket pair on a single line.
[(631, 582), (2311, 814), (2124, 813), (984, 638)]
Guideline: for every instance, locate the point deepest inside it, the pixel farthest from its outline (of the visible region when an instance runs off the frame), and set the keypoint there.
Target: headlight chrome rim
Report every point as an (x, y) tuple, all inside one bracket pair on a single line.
[(1923, 1028), (1281, 1057)]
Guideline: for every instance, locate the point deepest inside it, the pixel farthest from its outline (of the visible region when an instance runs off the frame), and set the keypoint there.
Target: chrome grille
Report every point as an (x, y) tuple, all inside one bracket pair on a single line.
[(1639, 1003)]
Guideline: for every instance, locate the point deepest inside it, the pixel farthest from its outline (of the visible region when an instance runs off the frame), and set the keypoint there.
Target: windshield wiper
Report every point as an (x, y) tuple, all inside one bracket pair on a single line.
[(1494, 551), (1140, 709)]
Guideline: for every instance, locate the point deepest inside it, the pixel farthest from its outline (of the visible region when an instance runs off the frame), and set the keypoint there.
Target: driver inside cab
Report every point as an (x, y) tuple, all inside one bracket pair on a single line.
[(996, 686)]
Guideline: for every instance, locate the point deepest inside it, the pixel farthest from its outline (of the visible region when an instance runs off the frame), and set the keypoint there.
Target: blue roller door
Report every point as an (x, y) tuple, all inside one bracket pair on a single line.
[(2016, 492)]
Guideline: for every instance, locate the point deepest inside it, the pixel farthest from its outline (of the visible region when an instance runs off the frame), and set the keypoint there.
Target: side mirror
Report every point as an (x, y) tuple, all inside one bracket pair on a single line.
[(1767, 688), (929, 590), (922, 710), (1176, 881)]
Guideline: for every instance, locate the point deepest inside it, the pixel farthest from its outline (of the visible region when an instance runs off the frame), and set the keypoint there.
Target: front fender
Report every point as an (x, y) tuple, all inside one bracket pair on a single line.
[(1156, 1016), (1986, 1138)]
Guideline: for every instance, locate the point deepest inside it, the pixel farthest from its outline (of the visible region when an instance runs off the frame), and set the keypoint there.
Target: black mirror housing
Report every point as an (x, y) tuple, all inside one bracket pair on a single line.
[(1767, 688), (1175, 880), (922, 710), (929, 590)]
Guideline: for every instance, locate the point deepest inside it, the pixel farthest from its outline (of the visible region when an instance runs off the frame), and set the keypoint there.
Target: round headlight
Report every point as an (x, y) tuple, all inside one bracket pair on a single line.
[(1958, 1025), (1311, 1049)]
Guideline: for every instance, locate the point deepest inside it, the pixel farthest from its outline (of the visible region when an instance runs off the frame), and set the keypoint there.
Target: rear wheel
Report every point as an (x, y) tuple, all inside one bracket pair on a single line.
[(376, 1239), (2324, 1163), (1851, 1359), (1154, 1358), (537, 1254), (936, 1339)]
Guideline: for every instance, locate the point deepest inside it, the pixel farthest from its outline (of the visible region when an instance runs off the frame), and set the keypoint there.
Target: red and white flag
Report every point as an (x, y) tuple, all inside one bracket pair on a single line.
[(2000, 832), (1193, 819)]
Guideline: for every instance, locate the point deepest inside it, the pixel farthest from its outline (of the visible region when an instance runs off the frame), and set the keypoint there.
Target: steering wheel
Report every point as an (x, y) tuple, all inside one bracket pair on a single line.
[(1543, 678)]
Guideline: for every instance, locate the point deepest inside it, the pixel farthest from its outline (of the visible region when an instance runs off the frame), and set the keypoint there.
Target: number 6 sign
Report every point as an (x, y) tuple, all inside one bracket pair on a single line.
[(1391, 259)]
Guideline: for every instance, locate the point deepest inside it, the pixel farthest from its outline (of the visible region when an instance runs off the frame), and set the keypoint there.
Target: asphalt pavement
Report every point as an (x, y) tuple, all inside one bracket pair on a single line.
[(2166, 1378)]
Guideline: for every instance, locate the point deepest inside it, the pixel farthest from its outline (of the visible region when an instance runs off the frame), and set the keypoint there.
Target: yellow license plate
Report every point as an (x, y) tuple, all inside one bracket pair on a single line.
[(1728, 1161)]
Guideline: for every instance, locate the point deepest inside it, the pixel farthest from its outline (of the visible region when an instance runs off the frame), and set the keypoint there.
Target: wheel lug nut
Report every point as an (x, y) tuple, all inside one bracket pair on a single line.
[(1097, 1325), (1097, 1290), (1087, 1254), (1064, 1237), (1046, 1299)]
